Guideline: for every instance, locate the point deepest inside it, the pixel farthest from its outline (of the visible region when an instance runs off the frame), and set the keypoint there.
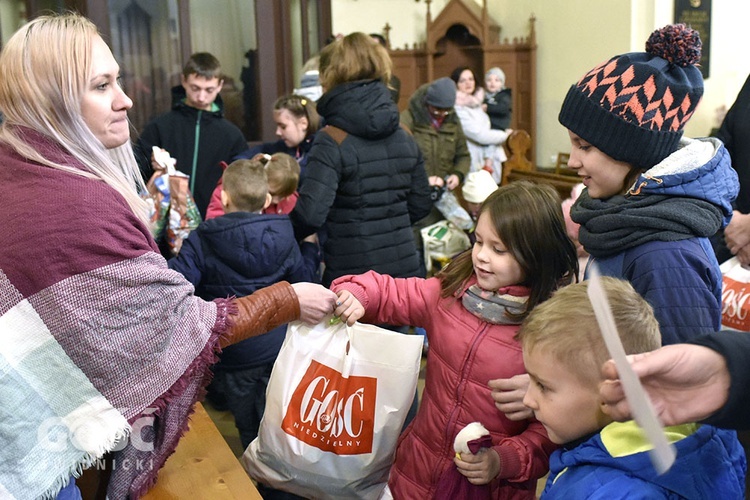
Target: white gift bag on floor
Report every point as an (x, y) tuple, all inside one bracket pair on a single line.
[(335, 404)]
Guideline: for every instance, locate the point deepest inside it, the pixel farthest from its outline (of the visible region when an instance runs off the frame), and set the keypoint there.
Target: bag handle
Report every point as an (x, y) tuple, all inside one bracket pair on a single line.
[(347, 355)]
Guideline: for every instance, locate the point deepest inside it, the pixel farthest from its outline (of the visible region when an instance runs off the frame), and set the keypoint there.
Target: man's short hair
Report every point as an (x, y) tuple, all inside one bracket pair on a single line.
[(203, 64)]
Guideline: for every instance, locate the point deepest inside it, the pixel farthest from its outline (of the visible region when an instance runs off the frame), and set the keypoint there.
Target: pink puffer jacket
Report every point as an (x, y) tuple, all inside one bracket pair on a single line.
[(465, 353)]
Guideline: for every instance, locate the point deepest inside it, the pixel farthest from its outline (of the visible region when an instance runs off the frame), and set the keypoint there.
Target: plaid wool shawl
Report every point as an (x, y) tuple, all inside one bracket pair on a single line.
[(102, 347)]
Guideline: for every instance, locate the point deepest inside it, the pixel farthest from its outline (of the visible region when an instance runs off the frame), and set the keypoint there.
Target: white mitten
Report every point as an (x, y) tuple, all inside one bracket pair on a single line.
[(474, 430)]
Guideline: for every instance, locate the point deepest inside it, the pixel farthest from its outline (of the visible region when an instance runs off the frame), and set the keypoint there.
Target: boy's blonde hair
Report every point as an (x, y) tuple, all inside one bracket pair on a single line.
[(565, 327), (246, 184), (282, 172)]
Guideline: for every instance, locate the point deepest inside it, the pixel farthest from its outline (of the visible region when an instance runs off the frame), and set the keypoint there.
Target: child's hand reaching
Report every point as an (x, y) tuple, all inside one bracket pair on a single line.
[(348, 308), (480, 468)]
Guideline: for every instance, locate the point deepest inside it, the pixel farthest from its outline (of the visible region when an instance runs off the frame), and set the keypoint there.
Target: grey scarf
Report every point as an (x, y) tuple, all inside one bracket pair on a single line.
[(493, 307), (622, 222)]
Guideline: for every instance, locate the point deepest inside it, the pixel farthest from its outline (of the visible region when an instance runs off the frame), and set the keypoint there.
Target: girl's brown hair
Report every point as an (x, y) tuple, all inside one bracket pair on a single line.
[(528, 219), (300, 107)]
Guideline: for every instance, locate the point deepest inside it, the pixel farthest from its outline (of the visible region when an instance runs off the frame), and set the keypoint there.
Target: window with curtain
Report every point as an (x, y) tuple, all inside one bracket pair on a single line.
[(145, 40)]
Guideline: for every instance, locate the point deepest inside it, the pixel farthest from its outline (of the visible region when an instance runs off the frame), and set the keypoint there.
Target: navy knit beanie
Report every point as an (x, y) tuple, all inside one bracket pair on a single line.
[(635, 106), (441, 93)]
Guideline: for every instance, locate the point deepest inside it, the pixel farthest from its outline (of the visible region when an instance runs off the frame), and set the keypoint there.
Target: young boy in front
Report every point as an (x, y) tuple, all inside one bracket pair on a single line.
[(563, 352), (235, 255)]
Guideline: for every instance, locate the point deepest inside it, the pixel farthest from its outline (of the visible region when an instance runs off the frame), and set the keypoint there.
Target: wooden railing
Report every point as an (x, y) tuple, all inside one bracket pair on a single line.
[(518, 166)]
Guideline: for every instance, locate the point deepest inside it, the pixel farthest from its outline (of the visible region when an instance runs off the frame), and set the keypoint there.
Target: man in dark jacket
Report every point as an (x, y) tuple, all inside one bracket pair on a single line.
[(735, 133), (194, 132)]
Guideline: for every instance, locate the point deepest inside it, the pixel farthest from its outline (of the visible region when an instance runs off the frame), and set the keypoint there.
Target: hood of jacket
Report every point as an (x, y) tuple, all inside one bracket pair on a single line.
[(700, 168), (616, 458), (178, 98), (249, 245), (363, 108)]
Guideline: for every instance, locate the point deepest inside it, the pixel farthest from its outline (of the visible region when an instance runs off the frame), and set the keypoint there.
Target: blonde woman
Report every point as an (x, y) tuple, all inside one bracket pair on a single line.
[(98, 337), (365, 182)]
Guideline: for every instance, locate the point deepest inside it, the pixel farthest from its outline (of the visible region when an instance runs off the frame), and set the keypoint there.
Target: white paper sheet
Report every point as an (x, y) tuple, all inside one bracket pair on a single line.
[(663, 454)]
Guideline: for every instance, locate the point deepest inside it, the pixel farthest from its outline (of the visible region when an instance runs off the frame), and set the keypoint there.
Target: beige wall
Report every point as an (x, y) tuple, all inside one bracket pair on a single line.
[(572, 37), (12, 14)]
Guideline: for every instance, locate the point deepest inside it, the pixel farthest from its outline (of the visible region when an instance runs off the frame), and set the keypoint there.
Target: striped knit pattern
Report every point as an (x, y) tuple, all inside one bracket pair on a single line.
[(634, 106), (644, 103), (98, 338)]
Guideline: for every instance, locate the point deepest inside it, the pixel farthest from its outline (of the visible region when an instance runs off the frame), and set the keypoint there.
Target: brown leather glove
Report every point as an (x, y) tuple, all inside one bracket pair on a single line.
[(261, 312)]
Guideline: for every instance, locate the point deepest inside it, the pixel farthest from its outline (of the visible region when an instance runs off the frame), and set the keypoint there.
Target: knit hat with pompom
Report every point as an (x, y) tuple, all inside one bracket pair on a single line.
[(634, 106)]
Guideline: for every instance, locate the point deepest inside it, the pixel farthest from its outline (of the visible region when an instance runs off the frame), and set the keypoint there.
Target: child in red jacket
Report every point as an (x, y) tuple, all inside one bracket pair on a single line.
[(283, 178), (471, 311)]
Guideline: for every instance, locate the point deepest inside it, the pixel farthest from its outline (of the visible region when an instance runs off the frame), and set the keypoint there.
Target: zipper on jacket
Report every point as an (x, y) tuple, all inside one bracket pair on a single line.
[(195, 152), (452, 416)]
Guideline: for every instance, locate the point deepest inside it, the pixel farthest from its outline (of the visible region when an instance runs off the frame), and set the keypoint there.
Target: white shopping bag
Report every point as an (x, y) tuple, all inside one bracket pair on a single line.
[(442, 241), (335, 404)]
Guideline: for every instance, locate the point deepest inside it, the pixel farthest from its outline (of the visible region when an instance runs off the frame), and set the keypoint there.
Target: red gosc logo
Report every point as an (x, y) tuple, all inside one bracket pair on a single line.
[(735, 305), (331, 412)]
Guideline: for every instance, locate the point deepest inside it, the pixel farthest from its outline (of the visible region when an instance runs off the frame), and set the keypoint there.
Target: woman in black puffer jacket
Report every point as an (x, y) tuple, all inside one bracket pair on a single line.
[(365, 183)]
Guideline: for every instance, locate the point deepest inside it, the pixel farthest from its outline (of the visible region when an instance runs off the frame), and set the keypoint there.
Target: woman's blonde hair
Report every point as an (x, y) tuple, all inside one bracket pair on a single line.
[(355, 57), (44, 72)]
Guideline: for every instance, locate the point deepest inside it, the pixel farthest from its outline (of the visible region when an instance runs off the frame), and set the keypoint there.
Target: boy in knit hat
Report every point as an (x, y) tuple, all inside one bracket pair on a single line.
[(652, 197), (477, 187), (563, 353)]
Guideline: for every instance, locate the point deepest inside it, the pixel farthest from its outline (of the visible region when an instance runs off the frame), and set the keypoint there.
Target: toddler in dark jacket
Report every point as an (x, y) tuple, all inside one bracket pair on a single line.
[(235, 255), (498, 103)]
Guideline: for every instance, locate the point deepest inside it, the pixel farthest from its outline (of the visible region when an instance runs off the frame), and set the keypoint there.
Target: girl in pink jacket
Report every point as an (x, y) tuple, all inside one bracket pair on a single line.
[(471, 312)]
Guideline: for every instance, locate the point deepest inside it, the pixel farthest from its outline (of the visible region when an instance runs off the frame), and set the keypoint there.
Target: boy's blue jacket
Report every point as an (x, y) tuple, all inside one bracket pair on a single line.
[(237, 254), (710, 463), (656, 236)]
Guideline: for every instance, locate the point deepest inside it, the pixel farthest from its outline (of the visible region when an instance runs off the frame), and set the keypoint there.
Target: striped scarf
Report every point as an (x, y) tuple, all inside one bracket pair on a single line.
[(493, 307)]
